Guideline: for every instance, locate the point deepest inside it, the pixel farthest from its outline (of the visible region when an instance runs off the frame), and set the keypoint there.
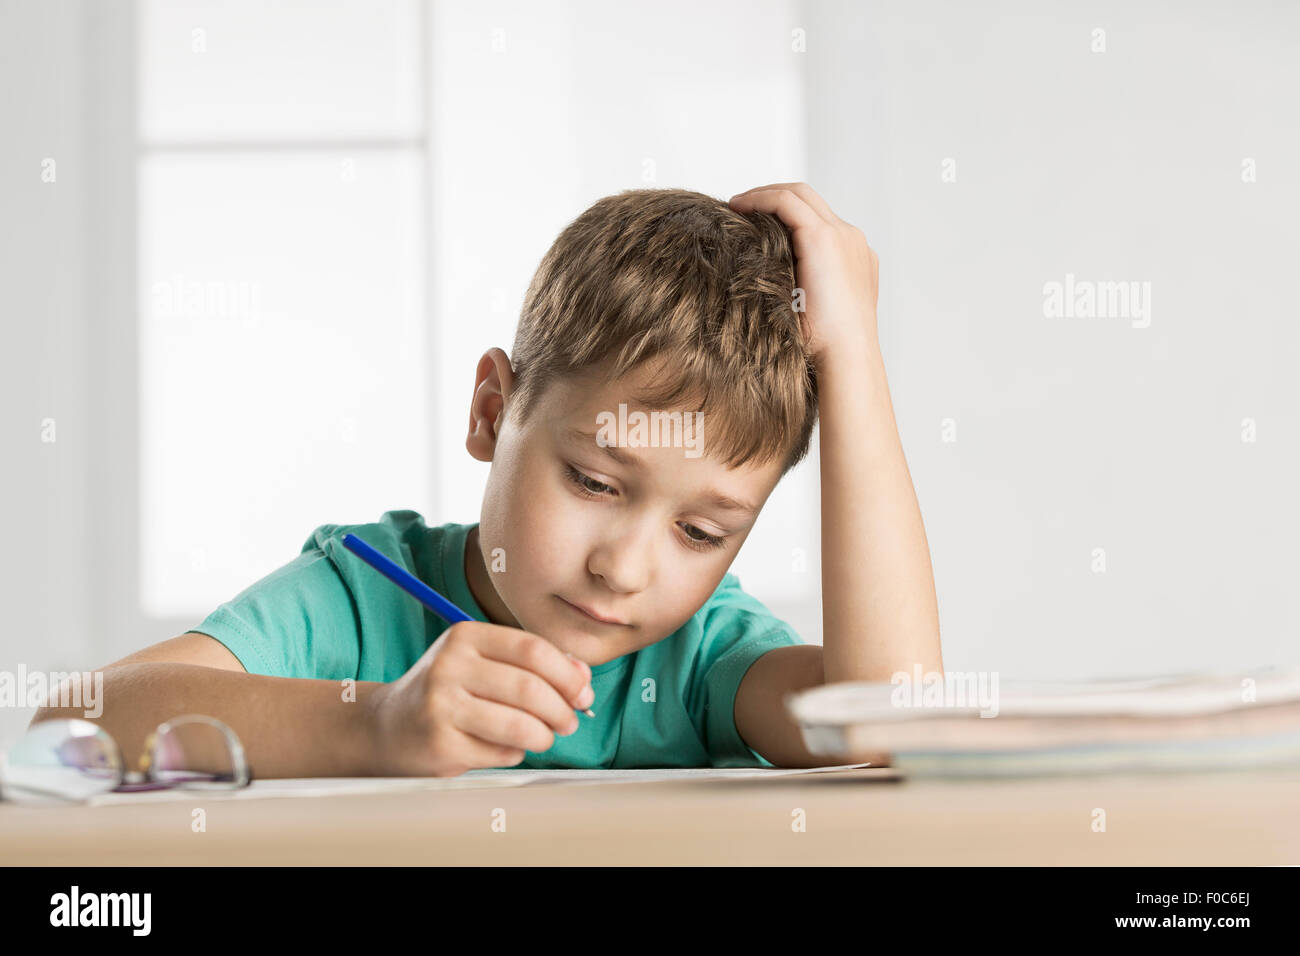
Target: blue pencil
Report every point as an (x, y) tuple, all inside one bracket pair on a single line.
[(409, 583)]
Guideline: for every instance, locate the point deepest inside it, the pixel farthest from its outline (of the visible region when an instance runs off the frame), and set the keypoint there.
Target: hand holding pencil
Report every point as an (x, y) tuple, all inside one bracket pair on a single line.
[(480, 696), (413, 586)]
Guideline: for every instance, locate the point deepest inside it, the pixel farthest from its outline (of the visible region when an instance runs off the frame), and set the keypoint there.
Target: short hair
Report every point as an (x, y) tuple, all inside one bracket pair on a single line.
[(682, 277)]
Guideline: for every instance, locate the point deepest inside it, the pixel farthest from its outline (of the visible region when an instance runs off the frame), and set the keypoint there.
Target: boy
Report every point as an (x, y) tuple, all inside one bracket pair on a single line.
[(597, 573)]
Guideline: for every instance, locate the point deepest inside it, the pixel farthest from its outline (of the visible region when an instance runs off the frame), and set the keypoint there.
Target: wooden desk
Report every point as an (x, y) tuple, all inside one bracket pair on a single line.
[(1215, 819)]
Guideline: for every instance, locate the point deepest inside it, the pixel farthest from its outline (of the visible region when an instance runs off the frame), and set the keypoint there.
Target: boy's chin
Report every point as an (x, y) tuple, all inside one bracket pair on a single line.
[(592, 643)]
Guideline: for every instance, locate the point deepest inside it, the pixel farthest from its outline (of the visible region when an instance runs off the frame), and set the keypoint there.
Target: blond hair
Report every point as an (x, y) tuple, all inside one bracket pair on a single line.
[(678, 276)]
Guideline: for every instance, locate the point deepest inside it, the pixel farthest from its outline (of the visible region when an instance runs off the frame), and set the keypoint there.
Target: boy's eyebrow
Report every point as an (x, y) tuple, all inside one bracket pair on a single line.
[(715, 498), (727, 503), (589, 438)]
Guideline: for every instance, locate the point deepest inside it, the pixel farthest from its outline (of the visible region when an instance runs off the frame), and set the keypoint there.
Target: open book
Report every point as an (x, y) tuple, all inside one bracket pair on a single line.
[(977, 725)]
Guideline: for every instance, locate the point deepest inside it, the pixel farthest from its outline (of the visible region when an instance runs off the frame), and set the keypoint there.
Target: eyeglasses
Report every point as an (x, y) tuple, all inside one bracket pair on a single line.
[(76, 759)]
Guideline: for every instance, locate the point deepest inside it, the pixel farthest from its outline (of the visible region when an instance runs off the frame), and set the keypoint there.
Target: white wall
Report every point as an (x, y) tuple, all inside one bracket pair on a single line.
[(1075, 434), (44, 314)]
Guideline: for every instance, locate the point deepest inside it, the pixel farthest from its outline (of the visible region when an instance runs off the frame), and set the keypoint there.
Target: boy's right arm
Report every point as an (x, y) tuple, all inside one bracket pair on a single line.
[(478, 697), (289, 727)]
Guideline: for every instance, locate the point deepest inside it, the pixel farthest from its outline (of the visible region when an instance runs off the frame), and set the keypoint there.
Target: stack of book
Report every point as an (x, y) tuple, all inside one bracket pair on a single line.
[(975, 725)]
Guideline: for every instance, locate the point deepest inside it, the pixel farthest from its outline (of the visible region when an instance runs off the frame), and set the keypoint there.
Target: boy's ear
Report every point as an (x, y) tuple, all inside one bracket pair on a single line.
[(494, 380)]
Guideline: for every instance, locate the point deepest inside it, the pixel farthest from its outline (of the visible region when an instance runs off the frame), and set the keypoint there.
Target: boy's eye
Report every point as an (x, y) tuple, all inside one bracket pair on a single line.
[(701, 538), (586, 482), (589, 487)]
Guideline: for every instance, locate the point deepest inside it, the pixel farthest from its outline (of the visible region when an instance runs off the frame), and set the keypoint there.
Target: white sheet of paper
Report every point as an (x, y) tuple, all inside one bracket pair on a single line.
[(470, 780)]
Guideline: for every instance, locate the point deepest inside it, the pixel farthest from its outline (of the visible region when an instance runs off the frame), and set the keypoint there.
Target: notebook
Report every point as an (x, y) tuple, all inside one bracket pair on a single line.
[(976, 725)]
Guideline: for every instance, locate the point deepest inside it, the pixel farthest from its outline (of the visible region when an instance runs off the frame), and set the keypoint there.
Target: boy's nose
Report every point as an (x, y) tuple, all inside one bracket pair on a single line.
[(622, 562)]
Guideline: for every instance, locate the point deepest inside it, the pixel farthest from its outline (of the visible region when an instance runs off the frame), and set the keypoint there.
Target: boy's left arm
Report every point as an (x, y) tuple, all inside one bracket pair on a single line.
[(879, 610)]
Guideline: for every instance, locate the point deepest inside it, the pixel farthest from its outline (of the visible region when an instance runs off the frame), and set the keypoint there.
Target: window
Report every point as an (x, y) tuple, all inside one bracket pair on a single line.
[(282, 335)]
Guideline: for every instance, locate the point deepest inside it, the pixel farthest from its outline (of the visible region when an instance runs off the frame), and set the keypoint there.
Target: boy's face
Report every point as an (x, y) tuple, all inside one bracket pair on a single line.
[(564, 525)]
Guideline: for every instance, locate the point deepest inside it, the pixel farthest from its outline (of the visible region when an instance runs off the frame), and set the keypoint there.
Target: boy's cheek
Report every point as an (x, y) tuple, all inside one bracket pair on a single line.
[(542, 541)]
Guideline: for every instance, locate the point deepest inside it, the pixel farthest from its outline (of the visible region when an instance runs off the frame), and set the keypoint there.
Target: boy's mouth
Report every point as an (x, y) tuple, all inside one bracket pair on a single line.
[(592, 615)]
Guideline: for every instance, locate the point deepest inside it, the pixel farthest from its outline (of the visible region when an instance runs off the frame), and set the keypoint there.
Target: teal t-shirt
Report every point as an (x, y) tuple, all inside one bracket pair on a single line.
[(329, 615)]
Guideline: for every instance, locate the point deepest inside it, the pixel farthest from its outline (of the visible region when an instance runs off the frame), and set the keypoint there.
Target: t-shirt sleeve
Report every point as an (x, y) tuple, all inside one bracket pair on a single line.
[(738, 630), (298, 621)]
